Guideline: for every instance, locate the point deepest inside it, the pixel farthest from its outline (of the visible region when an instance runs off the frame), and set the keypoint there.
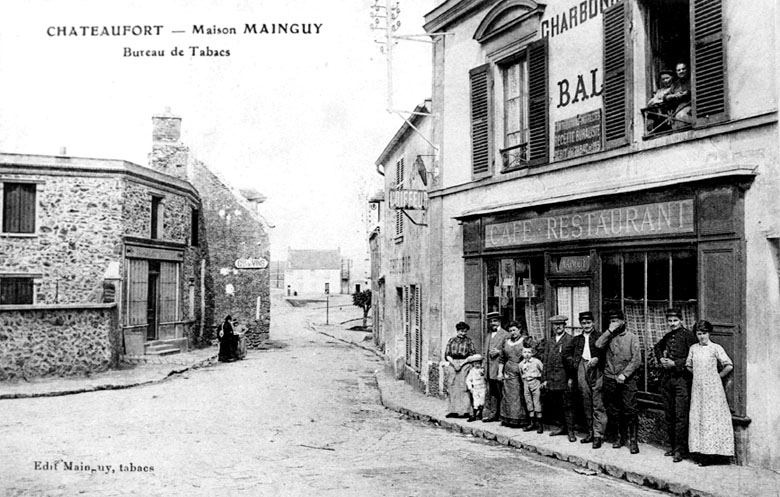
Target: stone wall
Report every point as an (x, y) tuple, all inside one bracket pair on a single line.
[(233, 231), (79, 228), (57, 340), (137, 212)]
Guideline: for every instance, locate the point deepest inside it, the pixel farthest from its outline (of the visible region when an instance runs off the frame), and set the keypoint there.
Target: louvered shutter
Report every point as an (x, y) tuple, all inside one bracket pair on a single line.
[(538, 104), (399, 182), (480, 120), (709, 62), (169, 292), (407, 328), (418, 328), (617, 75)]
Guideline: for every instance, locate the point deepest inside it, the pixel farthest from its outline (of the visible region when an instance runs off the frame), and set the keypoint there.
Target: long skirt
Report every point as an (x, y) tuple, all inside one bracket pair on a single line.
[(458, 398), (513, 410)]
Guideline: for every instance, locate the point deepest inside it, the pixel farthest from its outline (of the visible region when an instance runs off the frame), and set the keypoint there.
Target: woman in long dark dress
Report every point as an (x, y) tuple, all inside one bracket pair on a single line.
[(227, 341)]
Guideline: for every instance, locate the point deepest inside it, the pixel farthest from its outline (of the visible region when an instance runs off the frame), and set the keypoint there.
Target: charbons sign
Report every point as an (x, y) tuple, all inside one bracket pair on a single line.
[(662, 218)]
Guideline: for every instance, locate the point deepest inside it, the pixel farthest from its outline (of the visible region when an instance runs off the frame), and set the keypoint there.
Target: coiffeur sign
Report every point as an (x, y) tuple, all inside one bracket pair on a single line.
[(251, 263), (674, 217)]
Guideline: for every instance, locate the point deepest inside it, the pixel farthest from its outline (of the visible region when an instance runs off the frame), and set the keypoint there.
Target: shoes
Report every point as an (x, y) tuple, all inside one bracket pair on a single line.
[(529, 427), (677, 458), (619, 443), (451, 415), (587, 439), (572, 438), (633, 428), (490, 420), (558, 431), (597, 442), (471, 418), (539, 427), (669, 453)]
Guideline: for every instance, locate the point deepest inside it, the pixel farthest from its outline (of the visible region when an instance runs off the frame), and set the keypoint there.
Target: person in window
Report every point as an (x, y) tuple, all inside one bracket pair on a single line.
[(657, 106), (513, 409), (621, 361), (711, 433), (679, 97), (557, 377), (588, 364), (460, 352), (671, 352), (493, 345)]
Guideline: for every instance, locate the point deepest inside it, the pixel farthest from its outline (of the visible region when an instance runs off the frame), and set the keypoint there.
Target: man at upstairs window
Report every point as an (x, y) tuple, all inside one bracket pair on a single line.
[(656, 118), (679, 97)]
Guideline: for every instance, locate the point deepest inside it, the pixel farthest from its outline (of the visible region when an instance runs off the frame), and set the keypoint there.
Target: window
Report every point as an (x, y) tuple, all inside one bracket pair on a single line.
[(644, 285), (194, 231), (515, 288), (515, 84), (399, 183), (157, 216), (688, 32), (16, 290), (19, 208)]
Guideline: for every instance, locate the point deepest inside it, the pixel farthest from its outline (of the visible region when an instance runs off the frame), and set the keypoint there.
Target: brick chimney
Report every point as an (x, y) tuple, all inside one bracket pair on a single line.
[(169, 155)]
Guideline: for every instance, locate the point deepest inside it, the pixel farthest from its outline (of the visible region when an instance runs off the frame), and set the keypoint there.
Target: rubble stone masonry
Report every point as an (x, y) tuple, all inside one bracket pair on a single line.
[(57, 340)]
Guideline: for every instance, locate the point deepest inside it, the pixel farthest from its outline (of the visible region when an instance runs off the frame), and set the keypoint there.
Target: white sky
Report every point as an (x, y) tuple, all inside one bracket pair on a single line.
[(300, 118)]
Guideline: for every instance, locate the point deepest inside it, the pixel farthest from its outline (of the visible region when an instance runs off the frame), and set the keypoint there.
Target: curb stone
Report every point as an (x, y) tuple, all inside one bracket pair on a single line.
[(209, 361)]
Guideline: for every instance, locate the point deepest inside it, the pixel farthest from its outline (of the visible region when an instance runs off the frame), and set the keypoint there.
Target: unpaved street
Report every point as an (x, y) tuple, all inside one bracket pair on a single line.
[(303, 418)]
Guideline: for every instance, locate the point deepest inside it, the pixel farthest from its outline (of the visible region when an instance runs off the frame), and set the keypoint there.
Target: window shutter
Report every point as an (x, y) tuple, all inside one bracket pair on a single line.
[(709, 62), (418, 328), (721, 302), (480, 120), (138, 291), (407, 328), (538, 104), (473, 300), (19, 208), (169, 294), (16, 291), (617, 77), (399, 182)]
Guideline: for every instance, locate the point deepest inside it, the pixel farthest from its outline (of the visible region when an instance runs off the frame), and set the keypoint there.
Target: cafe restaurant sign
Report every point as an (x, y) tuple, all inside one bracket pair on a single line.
[(662, 218)]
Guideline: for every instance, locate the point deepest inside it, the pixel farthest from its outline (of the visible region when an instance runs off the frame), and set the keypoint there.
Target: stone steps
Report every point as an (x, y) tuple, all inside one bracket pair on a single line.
[(158, 348)]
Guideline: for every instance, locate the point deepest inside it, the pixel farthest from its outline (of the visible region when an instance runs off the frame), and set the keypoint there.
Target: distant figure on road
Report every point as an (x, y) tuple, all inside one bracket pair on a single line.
[(228, 341), (460, 353)]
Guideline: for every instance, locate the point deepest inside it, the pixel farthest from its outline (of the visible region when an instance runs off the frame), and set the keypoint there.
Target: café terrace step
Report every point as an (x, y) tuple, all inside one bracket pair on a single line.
[(161, 348)]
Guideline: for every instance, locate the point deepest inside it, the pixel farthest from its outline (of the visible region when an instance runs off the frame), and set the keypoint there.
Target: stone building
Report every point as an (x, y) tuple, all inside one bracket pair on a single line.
[(559, 187), (308, 272), (96, 260), (237, 280)]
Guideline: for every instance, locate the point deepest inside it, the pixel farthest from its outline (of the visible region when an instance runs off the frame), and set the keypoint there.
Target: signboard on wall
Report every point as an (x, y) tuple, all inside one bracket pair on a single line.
[(578, 135), (408, 199), (251, 263), (661, 218)]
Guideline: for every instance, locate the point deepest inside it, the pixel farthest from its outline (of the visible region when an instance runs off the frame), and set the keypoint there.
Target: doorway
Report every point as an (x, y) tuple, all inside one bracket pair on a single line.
[(151, 300)]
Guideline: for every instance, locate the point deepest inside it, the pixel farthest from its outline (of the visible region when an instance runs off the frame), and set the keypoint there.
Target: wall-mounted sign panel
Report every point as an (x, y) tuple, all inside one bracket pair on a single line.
[(578, 135), (251, 263), (408, 199)]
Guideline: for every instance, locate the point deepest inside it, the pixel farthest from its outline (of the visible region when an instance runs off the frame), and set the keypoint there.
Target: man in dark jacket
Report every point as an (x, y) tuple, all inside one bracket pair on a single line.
[(622, 359), (587, 361), (671, 351), (494, 344), (557, 377)]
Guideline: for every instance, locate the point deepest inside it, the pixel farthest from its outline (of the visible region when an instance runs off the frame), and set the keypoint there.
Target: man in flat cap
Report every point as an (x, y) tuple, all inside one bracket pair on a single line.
[(671, 351), (622, 359), (493, 346), (588, 361), (558, 378)]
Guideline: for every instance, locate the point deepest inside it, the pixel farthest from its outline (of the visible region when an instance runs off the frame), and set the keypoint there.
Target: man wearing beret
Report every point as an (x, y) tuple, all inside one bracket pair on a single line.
[(671, 351), (493, 347), (622, 359), (587, 360), (557, 377)]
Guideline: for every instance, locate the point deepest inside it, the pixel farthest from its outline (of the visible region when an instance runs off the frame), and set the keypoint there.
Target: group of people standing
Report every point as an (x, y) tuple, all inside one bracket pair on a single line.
[(506, 382)]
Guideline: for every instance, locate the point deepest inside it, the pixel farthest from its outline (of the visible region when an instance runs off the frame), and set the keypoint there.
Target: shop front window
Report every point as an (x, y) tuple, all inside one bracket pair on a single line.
[(644, 285), (515, 288)]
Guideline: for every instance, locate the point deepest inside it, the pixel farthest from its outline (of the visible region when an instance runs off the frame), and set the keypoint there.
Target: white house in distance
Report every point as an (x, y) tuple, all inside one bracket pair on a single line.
[(309, 271)]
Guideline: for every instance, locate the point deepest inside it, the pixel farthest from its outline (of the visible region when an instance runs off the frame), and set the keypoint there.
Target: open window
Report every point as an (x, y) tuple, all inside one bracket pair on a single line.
[(514, 152)]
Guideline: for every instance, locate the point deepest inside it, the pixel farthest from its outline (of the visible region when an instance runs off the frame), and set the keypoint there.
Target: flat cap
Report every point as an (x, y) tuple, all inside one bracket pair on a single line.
[(586, 315), (558, 319), (616, 313), (493, 315)]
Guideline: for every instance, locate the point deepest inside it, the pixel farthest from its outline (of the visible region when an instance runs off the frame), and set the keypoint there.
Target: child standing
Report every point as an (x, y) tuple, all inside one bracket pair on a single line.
[(531, 370), (475, 384)]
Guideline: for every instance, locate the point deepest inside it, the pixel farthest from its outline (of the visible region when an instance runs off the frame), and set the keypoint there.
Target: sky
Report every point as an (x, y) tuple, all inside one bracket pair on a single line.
[(300, 118)]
